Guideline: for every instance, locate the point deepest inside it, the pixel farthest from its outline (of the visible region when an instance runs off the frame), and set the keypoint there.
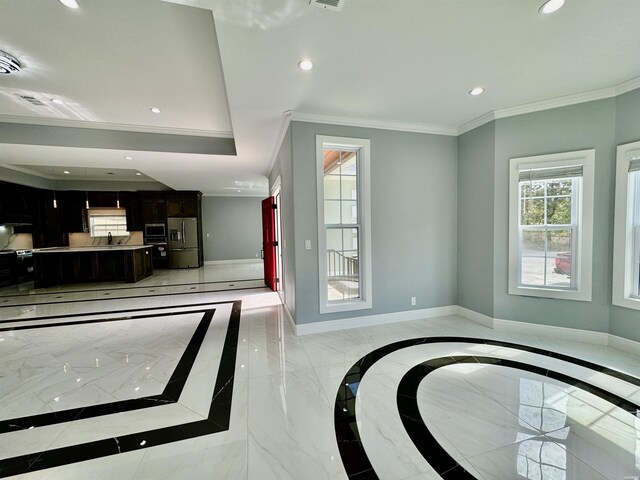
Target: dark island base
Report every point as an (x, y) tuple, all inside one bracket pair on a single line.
[(55, 268)]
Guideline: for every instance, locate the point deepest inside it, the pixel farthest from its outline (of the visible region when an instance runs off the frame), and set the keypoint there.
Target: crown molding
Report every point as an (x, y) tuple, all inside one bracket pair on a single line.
[(551, 103), (557, 102), (64, 122), (379, 124), (284, 126), (627, 86), (476, 122)]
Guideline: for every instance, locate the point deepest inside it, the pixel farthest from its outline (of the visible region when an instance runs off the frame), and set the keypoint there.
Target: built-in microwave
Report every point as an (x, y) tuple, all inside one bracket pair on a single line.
[(156, 230)]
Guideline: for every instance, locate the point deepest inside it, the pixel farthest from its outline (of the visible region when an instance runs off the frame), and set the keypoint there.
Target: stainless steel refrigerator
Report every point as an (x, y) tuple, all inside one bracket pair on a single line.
[(183, 242)]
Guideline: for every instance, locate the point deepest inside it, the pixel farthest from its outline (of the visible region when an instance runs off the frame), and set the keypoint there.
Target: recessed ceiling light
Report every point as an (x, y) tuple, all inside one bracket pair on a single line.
[(8, 64), (305, 64), (57, 101), (238, 191), (66, 172), (476, 91), (128, 158), (69, 3), (138, 173), (550, 6), (155, 109)]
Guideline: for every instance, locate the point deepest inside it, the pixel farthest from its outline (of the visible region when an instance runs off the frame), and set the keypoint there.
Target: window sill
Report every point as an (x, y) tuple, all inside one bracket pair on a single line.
[(578, 295), (627, 302), (345, 306)]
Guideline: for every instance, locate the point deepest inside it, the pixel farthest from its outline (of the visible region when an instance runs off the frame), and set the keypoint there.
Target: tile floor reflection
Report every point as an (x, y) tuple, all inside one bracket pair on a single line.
[(496, 422)]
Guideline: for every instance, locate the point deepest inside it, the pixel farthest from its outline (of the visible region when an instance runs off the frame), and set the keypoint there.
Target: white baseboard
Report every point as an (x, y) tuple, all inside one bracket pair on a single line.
[(242, 261), (580, 335), (586, 336), (370, 320), (624, 344), (475, 316)]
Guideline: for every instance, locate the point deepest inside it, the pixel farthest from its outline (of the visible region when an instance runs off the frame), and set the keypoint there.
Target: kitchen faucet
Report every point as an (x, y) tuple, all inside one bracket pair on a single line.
[(109, 238)]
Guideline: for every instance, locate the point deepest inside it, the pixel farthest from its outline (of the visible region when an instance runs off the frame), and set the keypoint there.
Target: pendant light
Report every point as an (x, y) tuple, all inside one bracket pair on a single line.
[(117, 199), (55, 202), (86, 202)]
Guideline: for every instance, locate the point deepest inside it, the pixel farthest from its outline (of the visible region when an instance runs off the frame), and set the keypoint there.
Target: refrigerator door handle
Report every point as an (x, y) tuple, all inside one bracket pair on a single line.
[(184, 232)]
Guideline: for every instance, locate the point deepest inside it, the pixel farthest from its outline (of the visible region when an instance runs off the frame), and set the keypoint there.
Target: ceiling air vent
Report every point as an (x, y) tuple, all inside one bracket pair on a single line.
[(328, 4), (32, 100)]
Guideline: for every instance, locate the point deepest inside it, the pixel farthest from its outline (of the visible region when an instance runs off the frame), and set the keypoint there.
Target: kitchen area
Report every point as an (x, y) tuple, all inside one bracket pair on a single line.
[(50, 238)]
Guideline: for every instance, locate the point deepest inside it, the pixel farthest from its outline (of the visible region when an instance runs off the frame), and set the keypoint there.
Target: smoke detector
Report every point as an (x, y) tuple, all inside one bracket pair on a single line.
[(328, 4)]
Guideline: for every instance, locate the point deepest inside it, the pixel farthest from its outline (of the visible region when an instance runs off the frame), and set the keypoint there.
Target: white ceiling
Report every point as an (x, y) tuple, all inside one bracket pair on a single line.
[(408, 62)]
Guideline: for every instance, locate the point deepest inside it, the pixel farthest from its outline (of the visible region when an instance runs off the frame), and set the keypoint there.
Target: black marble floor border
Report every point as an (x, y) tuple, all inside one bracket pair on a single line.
[(36, 304), (170, 394), (217, 421), (439, 459), (352, 452)]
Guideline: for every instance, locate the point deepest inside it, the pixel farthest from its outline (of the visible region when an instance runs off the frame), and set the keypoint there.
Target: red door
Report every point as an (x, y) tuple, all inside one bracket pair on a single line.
[(269, 242)]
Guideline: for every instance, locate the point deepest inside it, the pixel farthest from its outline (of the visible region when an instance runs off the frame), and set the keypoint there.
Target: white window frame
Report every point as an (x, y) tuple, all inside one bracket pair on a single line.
[(584, 243), (625, 261), (364, 205)]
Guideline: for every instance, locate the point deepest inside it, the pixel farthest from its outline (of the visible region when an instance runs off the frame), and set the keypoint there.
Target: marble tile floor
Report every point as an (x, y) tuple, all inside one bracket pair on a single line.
[(486, 417)]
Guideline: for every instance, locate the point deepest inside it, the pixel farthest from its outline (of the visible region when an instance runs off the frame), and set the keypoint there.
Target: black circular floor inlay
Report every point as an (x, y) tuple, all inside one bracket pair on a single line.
[(352, 452)]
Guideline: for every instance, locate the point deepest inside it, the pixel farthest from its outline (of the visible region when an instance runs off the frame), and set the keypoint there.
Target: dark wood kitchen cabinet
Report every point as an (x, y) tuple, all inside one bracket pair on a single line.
[(154, 207), (183, 204), (133, 206), (46, 231), (91, 264), (71, 205), (17, 203)]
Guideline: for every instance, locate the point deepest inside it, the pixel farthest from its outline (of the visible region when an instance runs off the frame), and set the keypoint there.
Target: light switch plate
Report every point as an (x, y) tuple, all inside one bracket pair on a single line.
[(307, 244)]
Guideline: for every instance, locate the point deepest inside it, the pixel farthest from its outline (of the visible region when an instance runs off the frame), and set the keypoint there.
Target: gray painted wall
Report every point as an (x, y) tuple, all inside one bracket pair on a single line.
[(283, 168), (476, 154), (624, 321), (577, 127), (231, 228), (413, 219)]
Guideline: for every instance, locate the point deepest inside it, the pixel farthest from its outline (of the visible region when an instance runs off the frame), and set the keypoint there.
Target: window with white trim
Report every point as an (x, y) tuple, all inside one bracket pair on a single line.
[(550, 225), (626, 243), (344, 237)]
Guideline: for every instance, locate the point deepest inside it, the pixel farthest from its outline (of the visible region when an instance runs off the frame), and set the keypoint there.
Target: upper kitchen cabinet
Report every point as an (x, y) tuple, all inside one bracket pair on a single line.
[(71, 206), (184, 204), (133, 205), (154, 207), (17, 203), (103, 199), (46, 231)]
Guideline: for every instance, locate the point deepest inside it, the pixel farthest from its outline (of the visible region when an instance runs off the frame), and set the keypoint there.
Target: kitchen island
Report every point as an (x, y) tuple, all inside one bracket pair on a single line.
[(58, 265)]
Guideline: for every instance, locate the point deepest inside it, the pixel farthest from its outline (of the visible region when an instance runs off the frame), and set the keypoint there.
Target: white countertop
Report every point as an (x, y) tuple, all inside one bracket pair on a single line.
[(103, 248)]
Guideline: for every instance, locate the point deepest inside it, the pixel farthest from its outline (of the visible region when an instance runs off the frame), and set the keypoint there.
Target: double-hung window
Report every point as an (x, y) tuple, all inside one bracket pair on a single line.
[(550, 231), (626, 246), (344, 226)]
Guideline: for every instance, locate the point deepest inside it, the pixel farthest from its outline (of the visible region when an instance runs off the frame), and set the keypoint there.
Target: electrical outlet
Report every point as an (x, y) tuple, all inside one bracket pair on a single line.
[(307, 244), (413, 301)]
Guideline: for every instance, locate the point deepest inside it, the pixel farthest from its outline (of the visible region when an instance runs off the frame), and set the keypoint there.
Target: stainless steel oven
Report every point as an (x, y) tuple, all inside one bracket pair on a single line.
[(155, 230)]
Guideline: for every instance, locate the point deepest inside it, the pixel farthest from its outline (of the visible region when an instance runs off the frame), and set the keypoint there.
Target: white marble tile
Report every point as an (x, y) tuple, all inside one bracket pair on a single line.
[(291, 433), (607, 444), (122, 467), (194, 459), (471, 421), (535, 458)]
